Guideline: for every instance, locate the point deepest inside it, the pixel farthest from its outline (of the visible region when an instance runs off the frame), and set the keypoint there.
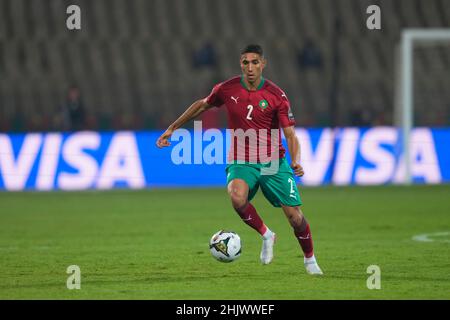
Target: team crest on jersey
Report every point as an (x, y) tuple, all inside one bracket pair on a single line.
[(263, 104)]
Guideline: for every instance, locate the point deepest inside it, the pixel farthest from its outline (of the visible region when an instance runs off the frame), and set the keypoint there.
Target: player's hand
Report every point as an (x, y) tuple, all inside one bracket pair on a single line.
[(298, 169), (163, 140)]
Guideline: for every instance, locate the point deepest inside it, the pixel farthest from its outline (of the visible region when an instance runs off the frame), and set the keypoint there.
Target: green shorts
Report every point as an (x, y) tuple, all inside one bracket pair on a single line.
[(277, 182)]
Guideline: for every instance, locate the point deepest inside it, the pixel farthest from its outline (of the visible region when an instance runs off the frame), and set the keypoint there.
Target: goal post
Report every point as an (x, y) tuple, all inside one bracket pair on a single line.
[(409, 38)]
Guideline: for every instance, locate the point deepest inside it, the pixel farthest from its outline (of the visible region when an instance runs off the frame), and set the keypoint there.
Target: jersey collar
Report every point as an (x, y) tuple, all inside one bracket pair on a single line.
[(259, 86)]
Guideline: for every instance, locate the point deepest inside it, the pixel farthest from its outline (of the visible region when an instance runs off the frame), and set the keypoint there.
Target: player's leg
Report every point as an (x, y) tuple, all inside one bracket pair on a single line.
[(242, 187), (303, 234), (239, 190), (281, 191), (301, 228)]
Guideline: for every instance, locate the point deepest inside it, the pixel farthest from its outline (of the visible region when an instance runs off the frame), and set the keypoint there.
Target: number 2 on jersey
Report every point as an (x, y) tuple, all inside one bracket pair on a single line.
[(250, 109)]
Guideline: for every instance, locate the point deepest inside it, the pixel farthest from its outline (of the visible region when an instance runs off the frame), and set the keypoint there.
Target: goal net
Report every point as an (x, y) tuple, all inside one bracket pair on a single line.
[(423, 85)]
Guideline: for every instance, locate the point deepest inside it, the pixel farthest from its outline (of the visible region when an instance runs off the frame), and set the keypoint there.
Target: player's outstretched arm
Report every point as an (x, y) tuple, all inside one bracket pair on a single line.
[(294, 150), (197, 108)]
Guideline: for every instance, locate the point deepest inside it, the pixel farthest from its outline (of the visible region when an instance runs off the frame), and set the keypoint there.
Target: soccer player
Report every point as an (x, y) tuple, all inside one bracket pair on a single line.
[(258, 107)]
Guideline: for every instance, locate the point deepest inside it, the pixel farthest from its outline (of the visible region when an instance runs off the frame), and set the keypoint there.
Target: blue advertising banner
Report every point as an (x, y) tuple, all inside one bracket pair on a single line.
[(125, 159)]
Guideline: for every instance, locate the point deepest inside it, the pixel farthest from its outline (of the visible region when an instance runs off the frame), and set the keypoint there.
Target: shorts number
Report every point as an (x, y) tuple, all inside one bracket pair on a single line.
[(292, 193), (250, 109)]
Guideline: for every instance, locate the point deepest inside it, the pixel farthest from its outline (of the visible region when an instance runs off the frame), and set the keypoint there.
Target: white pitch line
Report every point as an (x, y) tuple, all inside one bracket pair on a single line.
[(426, 237)]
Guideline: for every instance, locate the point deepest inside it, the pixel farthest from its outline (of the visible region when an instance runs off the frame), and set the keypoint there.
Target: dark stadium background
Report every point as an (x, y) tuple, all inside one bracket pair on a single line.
[(140, 63)]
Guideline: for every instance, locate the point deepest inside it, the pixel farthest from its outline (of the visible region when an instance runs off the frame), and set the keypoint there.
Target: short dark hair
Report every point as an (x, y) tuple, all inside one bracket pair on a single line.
[(253, 48)]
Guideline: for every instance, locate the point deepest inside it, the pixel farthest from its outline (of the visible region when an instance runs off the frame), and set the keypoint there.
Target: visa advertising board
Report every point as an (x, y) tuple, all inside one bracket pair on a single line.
[(198, 158)]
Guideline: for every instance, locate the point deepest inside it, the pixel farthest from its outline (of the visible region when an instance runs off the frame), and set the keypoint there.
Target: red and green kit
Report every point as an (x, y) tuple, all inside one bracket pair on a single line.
[(254, 119)]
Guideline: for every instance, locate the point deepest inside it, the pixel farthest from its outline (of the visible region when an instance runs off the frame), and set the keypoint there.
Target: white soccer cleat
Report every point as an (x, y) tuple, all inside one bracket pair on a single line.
[(267, 249), (312, 267)]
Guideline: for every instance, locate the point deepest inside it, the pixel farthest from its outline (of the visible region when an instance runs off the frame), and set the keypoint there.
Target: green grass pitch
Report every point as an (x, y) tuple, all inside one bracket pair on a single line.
[(153, 244)]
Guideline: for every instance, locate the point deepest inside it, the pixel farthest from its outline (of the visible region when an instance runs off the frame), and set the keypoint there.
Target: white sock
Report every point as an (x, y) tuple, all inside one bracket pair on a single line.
[(268, 234), (310, 259)]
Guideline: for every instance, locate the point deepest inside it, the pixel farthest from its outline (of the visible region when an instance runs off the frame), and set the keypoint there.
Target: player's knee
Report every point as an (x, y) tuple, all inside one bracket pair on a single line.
[(238, 200), (293, 220), (298, 223), (238, 195), (296, 218)]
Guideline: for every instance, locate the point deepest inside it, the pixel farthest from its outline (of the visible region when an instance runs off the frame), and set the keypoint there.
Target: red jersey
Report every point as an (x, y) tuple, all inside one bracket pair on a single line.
[(254, 117)]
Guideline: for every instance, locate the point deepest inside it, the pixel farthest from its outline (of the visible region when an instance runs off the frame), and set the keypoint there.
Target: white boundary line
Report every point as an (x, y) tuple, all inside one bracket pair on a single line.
[(426, 237)]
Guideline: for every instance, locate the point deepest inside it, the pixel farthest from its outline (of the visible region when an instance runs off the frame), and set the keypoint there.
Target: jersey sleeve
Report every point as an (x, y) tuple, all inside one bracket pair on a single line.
[(215, 98), (285, 115)]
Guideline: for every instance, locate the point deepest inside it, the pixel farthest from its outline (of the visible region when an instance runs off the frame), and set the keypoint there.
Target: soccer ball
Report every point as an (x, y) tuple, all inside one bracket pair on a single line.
[(225, 246)]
